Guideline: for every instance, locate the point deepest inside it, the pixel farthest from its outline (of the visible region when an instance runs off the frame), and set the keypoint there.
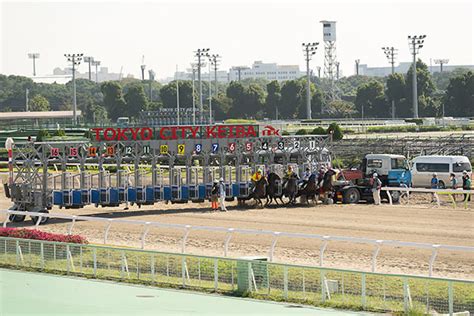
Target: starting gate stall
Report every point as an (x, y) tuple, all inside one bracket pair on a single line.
[(160, 161), (280, 171), (158, 183), (227, 175), (243, 181), (195, 180), (178, 190)]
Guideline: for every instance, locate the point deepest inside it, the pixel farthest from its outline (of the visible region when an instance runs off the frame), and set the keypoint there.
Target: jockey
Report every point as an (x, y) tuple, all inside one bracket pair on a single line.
[(289, 174), (306, 176), (255, 178)]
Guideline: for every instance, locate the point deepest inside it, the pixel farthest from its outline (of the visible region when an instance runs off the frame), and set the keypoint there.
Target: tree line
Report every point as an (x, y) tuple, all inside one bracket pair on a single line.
[(370, 97)]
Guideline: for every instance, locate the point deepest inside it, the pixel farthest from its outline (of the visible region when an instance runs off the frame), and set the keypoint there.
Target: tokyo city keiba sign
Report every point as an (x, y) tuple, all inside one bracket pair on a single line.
[(181, 132)]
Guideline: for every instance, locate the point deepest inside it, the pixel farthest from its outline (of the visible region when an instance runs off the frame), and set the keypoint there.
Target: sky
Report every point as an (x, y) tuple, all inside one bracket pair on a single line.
[(119, 33)]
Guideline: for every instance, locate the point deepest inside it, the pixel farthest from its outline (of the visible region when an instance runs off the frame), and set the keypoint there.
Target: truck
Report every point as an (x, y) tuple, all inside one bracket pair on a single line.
[(355, 185)]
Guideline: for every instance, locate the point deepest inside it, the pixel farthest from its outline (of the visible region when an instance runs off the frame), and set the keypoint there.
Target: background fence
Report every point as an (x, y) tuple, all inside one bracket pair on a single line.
[(255, 278)]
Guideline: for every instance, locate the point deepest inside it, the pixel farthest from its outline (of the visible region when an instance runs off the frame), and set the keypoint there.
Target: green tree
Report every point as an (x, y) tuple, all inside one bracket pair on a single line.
[(370, 100), (39, 103), (425, 89), (341, 108), (459, 97), (221, 105), (236, 93), (291, 98), (136, 100), (113, 99), (272, 101), (253, 105), (395, 91), (168, 94), (335, 130)]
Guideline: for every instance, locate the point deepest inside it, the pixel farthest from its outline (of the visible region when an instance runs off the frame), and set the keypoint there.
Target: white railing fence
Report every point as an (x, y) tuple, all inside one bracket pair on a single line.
[(435, 192), (229, 233)]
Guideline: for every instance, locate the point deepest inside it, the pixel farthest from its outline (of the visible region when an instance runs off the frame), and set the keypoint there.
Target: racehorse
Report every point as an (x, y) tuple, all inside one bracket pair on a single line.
[(290, 189), (310, 189), (259, 192), (326, 189), (272, 189)]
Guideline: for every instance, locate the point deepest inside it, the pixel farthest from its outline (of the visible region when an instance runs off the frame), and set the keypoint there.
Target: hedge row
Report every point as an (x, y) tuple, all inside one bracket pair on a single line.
[(40, 235), (412, 128)]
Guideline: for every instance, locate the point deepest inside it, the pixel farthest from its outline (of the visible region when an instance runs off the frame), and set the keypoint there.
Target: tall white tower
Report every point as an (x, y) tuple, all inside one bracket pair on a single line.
[(330, 58)]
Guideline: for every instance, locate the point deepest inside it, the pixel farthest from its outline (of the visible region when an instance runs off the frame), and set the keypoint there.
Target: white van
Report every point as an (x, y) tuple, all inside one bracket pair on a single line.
[(423, 168)]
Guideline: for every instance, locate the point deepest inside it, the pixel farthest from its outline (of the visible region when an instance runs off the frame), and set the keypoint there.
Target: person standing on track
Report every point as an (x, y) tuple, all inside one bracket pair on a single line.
[(214, 195), (434, 185), (376, 186), (222, 195), (466, 185)]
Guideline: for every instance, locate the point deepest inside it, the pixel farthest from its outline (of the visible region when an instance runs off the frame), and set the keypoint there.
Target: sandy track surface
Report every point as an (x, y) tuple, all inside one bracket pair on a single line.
[(415, 223)]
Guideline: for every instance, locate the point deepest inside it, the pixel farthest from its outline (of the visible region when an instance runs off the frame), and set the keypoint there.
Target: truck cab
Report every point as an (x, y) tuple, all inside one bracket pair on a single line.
[(393, 170)]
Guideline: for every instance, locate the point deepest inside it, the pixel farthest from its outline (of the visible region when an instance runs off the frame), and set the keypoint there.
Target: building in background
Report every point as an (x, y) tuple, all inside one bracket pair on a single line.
[(258, 70), (403, 67), (103, 74)]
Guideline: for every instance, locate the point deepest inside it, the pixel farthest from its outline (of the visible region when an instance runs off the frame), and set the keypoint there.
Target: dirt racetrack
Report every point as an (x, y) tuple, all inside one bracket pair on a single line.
[(421, 222)]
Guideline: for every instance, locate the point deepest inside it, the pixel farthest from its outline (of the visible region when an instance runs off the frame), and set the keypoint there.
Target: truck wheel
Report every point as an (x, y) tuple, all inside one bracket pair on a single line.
[(44, 220), (351, 196), (16, 218), (395, 196)]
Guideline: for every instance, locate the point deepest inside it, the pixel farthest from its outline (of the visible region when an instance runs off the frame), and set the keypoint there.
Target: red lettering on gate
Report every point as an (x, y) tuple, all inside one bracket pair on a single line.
[(144, 135), (251, 131), (162, 133), (210, 132), (134, 133), (97, 131), (106, 134), (240, 131), (121, 134)]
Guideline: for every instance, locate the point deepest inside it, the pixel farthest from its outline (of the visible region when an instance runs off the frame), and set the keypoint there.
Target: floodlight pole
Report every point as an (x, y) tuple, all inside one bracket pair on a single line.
[(75, 59), (309, 50), (357, 61), (390, 53), (201, 52), (89, 60), (415, 43)]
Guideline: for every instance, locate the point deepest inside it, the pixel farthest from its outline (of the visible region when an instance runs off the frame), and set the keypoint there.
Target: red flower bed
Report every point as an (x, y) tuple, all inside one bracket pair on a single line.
[(40, 235)]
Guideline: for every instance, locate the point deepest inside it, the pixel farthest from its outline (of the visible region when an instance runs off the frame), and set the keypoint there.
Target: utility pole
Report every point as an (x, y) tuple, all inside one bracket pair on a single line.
[(309, 50), (441, 62), (200, 53), (142, 67), (89, 60), (239, 70), (96, 63), (390, 53), (337, 70), (193, 69), (34, 56), (75, 59), (151, 75), (415, 43), (214, 61), (177, 96), (319, 71), (357, 61)]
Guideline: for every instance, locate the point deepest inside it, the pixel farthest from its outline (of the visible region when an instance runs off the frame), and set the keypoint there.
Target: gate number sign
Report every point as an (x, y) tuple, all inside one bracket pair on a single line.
[(54, 152), (92, 151), (73, 151), (164, 149), (215, 147), (128, 150), (110, 150), (181, 149), (265, 145), (198, 148), (281, 145), (248, 146), (231, 147)]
